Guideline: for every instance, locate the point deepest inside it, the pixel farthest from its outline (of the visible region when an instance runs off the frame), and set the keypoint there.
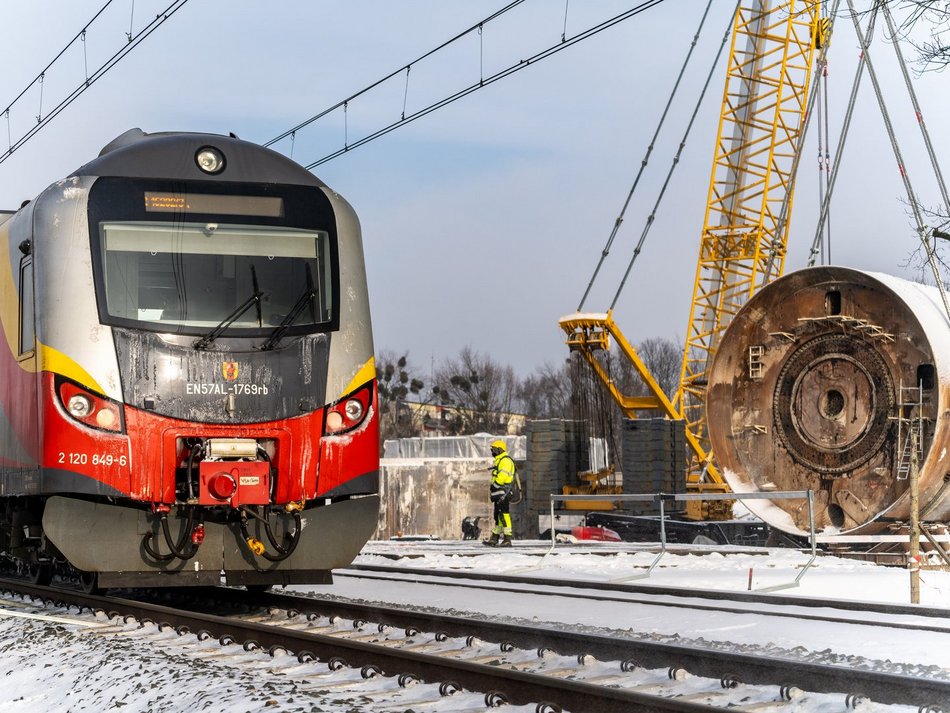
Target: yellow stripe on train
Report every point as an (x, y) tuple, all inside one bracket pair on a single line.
[(366, 373), (53, 360)]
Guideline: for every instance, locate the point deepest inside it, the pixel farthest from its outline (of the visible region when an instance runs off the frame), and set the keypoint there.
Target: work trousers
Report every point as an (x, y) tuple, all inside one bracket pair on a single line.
[(502, 517)]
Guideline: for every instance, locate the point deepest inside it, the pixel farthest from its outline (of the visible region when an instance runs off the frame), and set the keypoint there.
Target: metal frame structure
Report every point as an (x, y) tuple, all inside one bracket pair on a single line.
[(745, 229), (660, 498)]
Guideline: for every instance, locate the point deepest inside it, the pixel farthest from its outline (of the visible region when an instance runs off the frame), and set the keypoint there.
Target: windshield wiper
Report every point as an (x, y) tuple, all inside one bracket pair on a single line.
[(255, 298), (306, 298)]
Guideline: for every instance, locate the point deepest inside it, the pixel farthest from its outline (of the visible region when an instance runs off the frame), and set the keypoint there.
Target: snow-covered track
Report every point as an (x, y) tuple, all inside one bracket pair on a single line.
[(380, 639), (501, 685), (832, 611), (722, 666)]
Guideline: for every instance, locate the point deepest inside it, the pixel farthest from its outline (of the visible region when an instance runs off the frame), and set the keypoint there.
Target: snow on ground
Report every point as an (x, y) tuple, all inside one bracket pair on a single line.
[(78, 663), (666, 619), (712, 568)]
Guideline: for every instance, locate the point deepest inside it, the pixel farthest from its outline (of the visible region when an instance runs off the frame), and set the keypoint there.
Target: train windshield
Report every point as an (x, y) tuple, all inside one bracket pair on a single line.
[(190, 277)]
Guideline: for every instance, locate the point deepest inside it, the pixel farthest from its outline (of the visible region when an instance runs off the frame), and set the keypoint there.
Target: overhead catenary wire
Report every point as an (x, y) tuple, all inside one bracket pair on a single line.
[(131, 21), (484, 82), (445, 101), (676, 158), (132, 43), (404, 68), (646, 157), (81, 35)]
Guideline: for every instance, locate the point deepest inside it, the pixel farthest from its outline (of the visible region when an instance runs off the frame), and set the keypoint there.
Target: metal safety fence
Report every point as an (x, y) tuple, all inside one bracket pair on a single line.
[(661, 498)]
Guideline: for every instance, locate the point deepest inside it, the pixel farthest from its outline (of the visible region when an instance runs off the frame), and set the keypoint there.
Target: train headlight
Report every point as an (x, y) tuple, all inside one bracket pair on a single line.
[(210, 160), (334, 421), (88, 408), (354, 410), (106, 419), (349, 412), (79, 406)]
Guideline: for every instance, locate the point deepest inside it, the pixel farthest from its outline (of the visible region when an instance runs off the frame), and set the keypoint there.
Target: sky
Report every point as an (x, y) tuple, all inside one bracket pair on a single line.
[(482, 222)]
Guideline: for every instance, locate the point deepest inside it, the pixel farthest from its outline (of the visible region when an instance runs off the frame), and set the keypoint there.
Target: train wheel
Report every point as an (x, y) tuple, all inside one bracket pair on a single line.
[(41, 574), (89, 583)]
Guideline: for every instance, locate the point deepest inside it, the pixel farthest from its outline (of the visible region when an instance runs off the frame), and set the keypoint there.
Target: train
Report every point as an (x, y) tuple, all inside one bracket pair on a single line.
[(188, 385), (836, 380)]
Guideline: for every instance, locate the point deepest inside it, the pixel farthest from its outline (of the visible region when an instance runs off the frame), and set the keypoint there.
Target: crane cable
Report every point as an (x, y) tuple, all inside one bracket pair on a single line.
[(917, 111), (824, 140), (842, 138), (813, 94), (646, 158), (922, 230), (823, 214), (676, 158)]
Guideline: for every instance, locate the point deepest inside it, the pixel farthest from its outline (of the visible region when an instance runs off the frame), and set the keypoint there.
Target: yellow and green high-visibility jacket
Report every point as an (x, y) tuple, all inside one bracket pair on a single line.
[(503, 472)]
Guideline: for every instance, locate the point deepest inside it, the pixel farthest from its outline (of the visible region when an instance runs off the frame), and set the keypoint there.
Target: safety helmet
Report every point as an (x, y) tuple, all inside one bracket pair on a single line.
[(499, 444)]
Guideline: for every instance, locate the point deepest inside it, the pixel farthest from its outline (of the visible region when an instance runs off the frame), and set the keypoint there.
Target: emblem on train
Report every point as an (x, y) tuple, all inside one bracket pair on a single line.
[(230, 370)]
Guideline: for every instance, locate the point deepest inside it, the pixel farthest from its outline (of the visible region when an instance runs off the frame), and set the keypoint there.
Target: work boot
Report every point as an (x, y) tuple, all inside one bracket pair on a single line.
[(491, 541), (506, 542)]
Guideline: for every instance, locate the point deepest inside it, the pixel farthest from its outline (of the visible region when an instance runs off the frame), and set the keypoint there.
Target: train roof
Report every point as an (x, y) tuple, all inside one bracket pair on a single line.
[(136, 154)]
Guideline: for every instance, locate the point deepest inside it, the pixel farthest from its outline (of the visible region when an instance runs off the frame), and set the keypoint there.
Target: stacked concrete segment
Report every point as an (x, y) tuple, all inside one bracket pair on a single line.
[(653, 454), (557, 450)]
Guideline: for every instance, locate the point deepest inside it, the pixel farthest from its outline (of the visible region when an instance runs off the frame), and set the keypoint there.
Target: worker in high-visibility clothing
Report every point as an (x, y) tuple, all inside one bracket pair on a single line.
[(502, 477)]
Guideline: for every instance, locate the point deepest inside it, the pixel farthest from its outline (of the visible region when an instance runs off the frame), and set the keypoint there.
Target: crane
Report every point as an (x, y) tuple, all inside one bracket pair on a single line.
[(745, 229)]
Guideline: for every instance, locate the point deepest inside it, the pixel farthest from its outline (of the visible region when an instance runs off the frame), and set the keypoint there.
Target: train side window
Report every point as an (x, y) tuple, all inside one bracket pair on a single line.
[(926, 376), (27, 332)]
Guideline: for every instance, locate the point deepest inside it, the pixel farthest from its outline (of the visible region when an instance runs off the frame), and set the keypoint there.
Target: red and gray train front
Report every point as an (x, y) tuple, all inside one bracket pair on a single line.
[(183, 484)]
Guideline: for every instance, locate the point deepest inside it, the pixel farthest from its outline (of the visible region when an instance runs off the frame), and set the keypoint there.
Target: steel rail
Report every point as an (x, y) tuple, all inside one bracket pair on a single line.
[(687, 593), (754, 669), (516, 687)]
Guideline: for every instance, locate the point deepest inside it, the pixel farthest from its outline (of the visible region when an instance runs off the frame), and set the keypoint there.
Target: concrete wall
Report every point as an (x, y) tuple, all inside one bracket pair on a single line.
[(423, 496)]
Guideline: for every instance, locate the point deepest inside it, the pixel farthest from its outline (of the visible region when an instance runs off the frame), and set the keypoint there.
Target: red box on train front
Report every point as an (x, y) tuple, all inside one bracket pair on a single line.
[(234, 483)]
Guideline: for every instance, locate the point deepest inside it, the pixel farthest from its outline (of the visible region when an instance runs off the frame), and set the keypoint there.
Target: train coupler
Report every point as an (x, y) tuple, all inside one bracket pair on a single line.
[(228, 471), (255, 546)]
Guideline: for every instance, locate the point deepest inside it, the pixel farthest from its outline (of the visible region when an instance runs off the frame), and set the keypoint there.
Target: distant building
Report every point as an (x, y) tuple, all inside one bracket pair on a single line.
[(440, 420)]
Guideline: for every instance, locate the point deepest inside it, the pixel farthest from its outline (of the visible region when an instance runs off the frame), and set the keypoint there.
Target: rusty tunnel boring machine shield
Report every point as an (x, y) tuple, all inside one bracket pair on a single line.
[(828, 379)]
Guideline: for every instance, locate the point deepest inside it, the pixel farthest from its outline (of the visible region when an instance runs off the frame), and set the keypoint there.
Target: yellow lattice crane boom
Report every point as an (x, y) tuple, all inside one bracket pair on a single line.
[(745, 229)]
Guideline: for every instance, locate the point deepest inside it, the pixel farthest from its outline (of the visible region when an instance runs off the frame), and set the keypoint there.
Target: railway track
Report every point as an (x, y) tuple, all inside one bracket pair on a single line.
[(831, 611), (517, 664)]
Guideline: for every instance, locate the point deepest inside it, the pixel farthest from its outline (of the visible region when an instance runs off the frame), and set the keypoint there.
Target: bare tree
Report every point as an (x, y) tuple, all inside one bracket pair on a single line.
[(664, 359), (933, 17), (481, 390), (547, 392), (397, 381)]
